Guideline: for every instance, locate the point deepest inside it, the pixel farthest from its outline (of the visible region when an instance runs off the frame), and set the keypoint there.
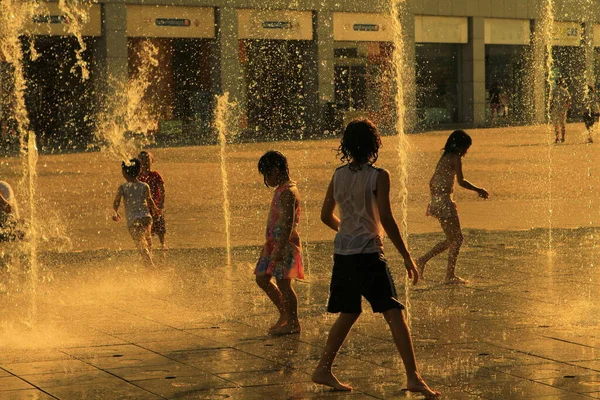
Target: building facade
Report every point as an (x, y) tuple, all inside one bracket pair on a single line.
[(306, 67)]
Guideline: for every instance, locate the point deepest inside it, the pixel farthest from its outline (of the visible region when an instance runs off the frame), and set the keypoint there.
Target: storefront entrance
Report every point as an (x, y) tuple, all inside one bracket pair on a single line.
[(179, 95), (277, 82), (438, 83), (507, 67), (60, 103)]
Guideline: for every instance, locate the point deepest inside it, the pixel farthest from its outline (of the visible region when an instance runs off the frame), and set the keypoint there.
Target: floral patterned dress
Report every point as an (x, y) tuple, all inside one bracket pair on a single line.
[(291, 265)]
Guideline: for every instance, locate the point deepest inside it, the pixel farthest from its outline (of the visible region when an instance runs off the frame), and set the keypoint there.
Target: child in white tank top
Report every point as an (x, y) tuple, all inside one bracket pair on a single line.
[(138, 203), (361, 193)]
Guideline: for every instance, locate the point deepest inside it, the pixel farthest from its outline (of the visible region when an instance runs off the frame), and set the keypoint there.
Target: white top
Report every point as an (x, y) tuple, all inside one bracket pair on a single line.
[(360, 228), (135, 195), (7, 192)]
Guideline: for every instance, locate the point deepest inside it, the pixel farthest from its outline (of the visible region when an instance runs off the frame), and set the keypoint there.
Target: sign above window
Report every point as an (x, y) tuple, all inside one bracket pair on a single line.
[(275, 24), (51, 20), (507, 31), (362, 27), (430, 29), (566, 33), (170, 21)]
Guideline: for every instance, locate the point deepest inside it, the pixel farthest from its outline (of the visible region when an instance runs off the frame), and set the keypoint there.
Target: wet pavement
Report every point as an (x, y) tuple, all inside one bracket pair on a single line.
[(526, 327), (97, 325)]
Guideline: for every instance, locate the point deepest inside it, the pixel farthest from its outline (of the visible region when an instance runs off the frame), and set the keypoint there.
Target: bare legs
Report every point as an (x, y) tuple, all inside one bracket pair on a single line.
[(140, 233), (453, 242), (285, 299), (559, 130), (401, 334), (337, 335)]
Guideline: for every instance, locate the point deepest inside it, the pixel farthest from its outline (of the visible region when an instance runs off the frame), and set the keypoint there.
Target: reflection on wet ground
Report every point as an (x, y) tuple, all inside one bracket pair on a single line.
[(526, 327)]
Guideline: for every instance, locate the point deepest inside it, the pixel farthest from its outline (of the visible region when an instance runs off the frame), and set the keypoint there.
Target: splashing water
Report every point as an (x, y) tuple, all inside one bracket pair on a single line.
[(77, 14), (223, 115), (13, 18), (128, 114)]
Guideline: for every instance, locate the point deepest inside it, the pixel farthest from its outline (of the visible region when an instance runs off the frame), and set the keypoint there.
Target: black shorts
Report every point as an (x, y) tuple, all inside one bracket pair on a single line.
[(360, 275), (589, 119)]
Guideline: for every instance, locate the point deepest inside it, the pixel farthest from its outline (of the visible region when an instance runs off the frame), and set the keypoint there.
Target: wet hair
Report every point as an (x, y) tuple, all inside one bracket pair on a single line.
[(457, 141), (360, 143), (273, 159), (144, 154), (132, 169)]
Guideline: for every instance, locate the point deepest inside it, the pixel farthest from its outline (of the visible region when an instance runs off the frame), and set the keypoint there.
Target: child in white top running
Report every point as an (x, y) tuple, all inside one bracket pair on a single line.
[(138, 204), (362, 194)]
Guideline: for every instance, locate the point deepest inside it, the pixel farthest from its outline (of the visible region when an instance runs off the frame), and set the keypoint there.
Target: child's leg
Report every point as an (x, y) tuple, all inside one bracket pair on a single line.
[(139, 232), (451, 227), (273, 292), (562, 132), (290, 306), (437, 249), (337, 335), (402, 339)]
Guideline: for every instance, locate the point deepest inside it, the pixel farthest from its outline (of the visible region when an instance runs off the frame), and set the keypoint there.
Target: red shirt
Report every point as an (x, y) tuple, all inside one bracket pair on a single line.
[(154, 180)]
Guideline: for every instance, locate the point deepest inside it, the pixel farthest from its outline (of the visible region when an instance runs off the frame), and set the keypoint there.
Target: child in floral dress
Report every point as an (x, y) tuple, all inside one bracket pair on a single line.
[(281, 253)]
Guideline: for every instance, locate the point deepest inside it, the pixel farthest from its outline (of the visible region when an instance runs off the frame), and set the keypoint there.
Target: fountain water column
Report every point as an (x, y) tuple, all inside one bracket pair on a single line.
[(542, 61), (223, 114), (400, 70), (13, 18)]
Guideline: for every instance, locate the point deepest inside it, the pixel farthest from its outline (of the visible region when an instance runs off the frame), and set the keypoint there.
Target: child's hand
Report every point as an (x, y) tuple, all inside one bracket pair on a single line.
[(483, 193), (411, 269), (116, 217)]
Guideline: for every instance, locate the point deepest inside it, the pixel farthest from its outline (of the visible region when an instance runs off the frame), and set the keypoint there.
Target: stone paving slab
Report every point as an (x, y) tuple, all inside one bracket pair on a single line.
[(490, 340)]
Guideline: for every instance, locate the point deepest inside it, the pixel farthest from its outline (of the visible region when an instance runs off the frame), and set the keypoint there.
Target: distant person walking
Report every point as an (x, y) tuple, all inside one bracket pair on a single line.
[(442, 206), (281, 254), (139, 208), (560, 102), (361, 192), (496, 104), (590, 112)]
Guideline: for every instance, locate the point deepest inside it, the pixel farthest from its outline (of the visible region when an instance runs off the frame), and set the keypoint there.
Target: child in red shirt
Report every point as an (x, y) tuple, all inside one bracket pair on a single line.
[(157, 191)]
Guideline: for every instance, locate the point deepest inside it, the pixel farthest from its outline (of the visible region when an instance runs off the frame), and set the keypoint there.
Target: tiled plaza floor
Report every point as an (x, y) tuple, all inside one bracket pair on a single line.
[(526, 327)]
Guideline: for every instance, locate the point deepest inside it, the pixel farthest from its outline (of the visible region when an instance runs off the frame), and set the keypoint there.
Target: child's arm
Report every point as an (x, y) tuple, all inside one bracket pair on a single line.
[(327, 215), (117, 203), (389, 223), (465, 183), (161, 189), (150, 203), (288, 203)]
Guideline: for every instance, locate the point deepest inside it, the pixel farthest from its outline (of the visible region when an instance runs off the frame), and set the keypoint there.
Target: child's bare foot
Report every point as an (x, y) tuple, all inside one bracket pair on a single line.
[(324, 377), (419, 386), (287, 329), (456, 280), (280, 322), (420, 267)]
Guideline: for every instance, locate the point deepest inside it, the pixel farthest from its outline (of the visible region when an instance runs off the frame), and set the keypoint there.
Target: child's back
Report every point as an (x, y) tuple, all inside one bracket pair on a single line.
[(134, 196), (442, 181), (354, 192)]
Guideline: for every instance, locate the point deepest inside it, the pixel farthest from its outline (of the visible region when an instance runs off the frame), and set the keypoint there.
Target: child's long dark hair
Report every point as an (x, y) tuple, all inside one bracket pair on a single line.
[(457, 141), (360, 143), (273, 159), (131, 169)]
